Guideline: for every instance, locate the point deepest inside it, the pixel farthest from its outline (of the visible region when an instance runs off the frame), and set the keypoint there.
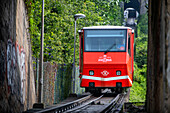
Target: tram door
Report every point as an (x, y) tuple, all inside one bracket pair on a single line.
[(130, 52)]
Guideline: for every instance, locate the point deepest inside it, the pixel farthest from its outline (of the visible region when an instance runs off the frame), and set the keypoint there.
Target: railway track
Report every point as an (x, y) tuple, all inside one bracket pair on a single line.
[(65, 107), (115, 106), (103, 104)]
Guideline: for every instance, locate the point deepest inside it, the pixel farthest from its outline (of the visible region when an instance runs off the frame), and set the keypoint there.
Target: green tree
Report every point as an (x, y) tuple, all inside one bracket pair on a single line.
[(59, 25)]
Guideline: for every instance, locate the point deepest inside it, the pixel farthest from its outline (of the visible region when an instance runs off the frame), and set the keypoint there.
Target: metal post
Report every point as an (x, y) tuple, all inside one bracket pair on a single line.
[(74, 57), (40, 87), (36, 79)]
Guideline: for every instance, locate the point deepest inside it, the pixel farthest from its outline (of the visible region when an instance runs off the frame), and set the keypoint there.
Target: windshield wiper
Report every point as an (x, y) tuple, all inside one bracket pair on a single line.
[(109, 48)]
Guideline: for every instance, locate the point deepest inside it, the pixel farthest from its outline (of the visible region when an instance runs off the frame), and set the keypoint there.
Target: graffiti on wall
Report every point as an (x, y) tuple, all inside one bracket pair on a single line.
[(9, 66), (16, 56)]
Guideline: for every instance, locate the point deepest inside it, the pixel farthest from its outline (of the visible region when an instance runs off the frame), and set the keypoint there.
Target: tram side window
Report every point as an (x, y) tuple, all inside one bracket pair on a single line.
[(81, 57), (129, 44), (81, 45)]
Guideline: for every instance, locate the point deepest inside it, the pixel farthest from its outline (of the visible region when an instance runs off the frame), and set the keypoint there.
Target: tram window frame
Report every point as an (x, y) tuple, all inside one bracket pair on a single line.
[(82, 42), (81, 50), (129, 48), (85, 39)]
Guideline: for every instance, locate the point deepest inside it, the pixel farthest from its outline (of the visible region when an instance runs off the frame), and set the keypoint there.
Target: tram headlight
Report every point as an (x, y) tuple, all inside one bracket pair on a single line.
[(118, 72), (91, 72)]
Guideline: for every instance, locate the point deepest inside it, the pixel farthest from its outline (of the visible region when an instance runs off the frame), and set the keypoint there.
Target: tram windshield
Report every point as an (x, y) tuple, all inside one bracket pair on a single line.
[(110, 40)]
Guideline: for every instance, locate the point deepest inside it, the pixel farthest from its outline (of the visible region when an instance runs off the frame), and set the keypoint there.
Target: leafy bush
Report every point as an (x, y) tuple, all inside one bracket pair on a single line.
[(138, 90)]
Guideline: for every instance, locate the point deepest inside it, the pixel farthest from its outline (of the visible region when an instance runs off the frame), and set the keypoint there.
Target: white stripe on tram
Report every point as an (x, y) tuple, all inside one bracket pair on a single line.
[(106, 79), (130, 80)]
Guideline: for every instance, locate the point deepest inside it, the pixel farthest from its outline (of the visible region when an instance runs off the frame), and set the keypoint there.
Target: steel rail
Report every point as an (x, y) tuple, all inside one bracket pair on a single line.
[(84, 105), (64, 107), (109, 107), (117, 108)]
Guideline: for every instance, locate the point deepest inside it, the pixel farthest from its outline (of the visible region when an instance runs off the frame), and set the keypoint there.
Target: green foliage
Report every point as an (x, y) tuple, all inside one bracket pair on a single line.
[(141, 50), (59, 25), (139, 73), (138, 90), (141, 41), (143, 24)]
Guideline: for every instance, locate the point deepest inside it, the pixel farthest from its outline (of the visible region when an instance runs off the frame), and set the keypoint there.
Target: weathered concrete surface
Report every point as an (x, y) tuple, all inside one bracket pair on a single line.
[(17, 91), (158, 79), (143, 4)]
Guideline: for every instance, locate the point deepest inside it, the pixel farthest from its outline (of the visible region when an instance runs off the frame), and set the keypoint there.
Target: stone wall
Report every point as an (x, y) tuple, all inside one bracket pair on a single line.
[(158, 73), (49, 77), (16, 70), (57, 82)]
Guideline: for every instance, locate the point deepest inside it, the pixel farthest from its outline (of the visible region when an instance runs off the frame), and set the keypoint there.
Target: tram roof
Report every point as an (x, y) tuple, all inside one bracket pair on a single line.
[(107, 27)]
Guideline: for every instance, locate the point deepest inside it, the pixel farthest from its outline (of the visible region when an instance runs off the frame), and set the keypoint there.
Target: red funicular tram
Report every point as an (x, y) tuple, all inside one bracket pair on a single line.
[(106, 57)]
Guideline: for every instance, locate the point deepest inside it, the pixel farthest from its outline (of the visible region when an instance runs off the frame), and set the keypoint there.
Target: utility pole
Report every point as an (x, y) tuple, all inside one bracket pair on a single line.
[(74, 57), (76, 16), (40, 80)]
